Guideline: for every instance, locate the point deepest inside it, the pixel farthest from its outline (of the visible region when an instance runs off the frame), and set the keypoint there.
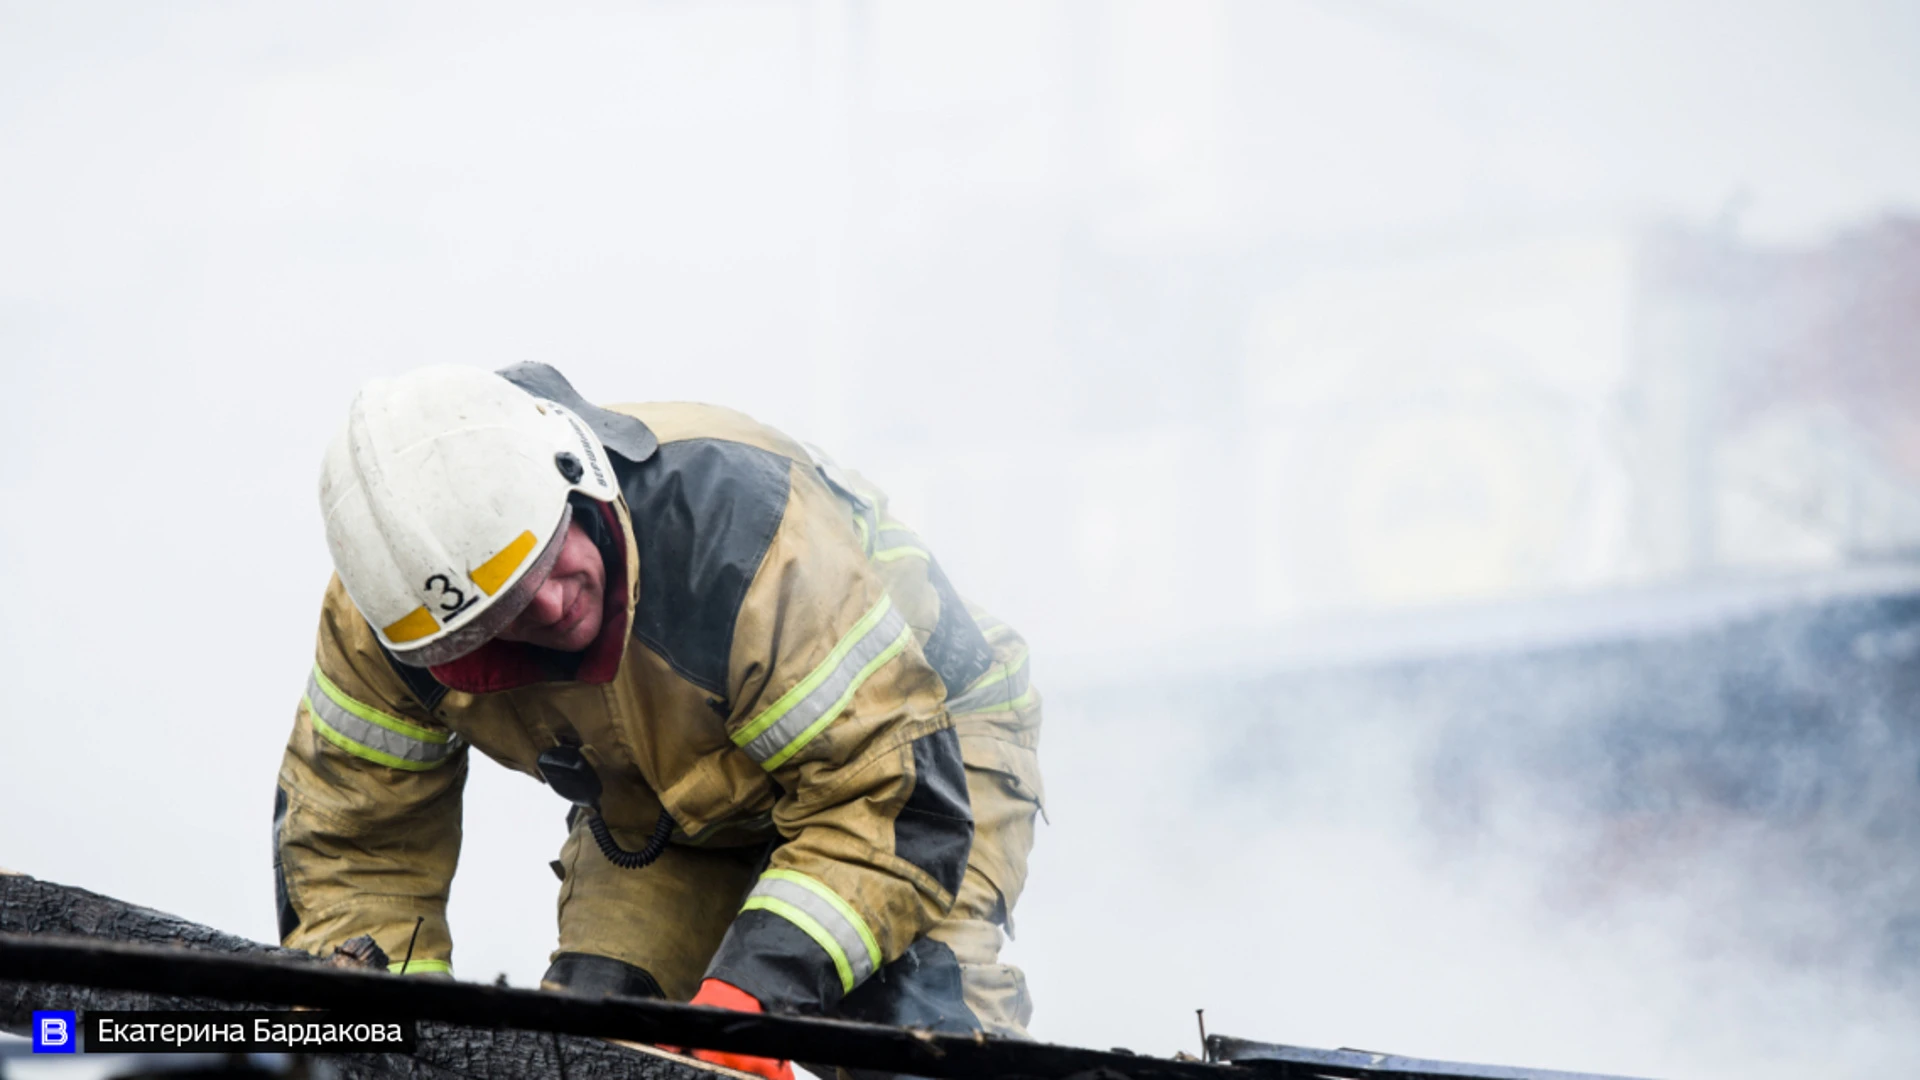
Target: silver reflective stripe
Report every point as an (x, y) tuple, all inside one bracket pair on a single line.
[(850, 945), (368, 733), (790, 723), (898, 543), (997, 691)]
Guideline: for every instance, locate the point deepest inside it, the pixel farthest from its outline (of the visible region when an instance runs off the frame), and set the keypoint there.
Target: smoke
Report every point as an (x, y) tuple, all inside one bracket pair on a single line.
[(1678, 843), (1245, 354)]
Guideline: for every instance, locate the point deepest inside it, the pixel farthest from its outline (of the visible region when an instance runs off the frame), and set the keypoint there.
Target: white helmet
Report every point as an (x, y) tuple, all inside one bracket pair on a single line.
[(445, 497)]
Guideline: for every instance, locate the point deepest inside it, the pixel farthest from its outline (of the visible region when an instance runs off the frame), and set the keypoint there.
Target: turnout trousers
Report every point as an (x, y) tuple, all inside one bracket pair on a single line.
[(652, 931)]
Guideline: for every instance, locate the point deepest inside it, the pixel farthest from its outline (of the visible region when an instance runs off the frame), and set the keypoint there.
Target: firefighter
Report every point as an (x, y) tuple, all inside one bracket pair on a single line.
[(802, 768)]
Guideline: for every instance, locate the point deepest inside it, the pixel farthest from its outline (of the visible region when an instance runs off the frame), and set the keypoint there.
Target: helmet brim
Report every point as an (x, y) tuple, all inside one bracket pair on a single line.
[(497, 616)]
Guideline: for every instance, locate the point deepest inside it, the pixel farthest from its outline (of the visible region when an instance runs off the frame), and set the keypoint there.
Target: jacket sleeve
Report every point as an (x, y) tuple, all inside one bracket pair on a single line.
[(833, 697), (367, 816)]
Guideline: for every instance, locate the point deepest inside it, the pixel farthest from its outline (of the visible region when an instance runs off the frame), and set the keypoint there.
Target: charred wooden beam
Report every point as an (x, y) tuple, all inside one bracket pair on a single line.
[(1276, 1062), (29, 906), (52, 955), (227, 969), (194, 973)]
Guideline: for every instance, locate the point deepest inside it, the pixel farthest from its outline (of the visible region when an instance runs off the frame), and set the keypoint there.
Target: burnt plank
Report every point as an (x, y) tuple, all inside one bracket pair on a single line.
[(29, 905)]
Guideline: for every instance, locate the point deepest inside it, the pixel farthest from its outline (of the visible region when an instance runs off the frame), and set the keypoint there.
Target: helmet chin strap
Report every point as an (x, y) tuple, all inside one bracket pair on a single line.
[(593, 521)]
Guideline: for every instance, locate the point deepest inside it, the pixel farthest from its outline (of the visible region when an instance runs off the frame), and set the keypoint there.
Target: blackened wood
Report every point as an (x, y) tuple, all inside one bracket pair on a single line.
[(863, 1046), (29, 906), (177, 964)]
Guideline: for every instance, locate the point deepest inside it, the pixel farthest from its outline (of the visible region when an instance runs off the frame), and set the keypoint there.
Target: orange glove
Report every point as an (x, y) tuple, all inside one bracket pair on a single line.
[(724, 995)]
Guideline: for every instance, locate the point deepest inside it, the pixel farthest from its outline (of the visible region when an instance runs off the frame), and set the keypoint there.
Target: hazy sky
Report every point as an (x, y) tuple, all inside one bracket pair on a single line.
[(216, 220)]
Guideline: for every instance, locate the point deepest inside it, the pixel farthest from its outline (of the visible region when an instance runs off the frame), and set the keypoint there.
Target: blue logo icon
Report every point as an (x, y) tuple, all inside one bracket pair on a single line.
[(54, 1032)]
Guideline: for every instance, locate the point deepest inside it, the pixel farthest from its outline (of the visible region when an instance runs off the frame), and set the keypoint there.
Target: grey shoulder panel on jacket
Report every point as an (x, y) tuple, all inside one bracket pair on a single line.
[(704, 513)]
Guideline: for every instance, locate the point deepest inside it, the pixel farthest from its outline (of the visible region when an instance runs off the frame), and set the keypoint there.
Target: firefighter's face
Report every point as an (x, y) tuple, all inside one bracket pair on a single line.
[(566, 609)]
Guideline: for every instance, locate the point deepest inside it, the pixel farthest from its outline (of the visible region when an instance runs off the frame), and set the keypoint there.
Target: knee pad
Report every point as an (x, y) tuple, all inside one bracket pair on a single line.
[(599, 976)]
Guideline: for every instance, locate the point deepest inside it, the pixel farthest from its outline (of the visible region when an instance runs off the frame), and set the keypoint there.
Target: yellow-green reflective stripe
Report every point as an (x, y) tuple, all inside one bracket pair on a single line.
[(421, 967), (890, 554), (843, 933), (799, 742), (821, 672), (864, 520), (787, 725), (374, 716), (366, 752), (812, 929), (997, 691), (374, 736), (896, 541), (868, 943)]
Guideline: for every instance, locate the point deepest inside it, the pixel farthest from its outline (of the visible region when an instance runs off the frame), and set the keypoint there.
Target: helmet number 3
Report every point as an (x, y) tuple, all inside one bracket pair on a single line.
[(452, 600)]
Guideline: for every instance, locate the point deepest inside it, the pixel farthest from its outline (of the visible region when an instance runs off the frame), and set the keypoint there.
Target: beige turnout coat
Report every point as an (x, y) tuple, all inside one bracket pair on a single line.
[(789, 672)]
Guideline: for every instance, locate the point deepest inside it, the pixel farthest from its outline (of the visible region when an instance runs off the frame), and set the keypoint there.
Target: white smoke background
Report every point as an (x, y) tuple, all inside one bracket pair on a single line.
[(1455, 462), (1499, 860)]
